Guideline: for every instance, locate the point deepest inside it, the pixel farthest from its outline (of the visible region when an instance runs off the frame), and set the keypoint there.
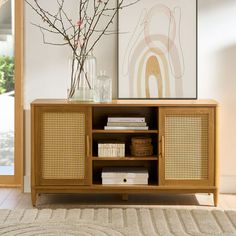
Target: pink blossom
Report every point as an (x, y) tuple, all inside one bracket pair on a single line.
[(79, 23)]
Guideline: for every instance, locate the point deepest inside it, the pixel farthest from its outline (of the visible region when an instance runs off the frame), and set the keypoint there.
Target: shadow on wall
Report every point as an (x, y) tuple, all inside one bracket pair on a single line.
[(204, 5)]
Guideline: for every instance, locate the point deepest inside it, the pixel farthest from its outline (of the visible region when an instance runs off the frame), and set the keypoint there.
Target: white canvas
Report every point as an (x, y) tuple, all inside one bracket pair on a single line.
[(158, 49)]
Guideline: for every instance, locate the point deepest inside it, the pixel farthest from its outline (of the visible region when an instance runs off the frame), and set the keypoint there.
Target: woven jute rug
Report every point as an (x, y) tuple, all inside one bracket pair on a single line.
[(117, 222)]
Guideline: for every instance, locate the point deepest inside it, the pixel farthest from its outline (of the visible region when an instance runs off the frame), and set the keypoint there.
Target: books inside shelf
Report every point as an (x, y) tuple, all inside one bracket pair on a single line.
[(126, 119), (127, 124), (111, 149), (126, 127)]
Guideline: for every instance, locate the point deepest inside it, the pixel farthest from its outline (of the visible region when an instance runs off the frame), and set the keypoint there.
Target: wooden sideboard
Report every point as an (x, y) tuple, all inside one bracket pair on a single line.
[(65, 153)]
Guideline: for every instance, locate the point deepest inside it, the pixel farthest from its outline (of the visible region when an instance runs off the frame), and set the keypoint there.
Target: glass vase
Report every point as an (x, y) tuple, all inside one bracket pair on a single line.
[(103, 88), (83, 75)]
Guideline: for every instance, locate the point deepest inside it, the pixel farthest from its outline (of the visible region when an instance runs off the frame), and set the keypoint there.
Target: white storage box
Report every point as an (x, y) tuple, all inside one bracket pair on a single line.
[(124, 176)]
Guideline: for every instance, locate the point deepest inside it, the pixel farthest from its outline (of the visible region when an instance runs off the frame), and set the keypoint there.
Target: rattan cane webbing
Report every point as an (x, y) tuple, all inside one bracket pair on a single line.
[(63, 145), (186, 147)]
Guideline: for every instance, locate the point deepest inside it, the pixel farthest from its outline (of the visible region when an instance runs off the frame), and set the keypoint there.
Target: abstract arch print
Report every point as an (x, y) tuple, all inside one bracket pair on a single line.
[(158, 50)]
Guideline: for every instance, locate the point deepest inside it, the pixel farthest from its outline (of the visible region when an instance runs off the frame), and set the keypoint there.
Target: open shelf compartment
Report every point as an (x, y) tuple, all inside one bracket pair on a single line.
[(124, 138), (100, 115), (151, 166)]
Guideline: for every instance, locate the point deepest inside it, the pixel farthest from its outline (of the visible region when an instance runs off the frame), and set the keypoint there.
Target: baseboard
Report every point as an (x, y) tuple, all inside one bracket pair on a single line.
[(227, 184), (27, 184)]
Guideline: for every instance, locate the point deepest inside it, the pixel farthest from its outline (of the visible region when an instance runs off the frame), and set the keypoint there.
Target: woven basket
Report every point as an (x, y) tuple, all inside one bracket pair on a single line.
[(141, 151), (141, 141)]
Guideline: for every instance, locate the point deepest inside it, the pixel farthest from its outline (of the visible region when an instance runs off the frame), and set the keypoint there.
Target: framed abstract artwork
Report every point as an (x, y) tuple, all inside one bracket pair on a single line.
[(157, 50)]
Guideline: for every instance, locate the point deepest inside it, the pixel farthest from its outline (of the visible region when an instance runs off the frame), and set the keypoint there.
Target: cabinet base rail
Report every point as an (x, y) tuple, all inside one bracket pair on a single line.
[(124, 191)]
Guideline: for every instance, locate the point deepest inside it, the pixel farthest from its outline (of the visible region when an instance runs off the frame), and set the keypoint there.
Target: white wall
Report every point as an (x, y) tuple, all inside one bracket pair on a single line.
[(46, 71), (46, 66), (217, 77)]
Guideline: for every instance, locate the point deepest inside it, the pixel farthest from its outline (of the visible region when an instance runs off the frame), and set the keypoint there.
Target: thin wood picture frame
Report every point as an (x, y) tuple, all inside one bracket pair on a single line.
[(158, 50)]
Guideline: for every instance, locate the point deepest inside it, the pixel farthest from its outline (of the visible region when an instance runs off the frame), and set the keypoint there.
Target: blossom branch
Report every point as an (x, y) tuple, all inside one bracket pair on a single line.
[(81, 34)]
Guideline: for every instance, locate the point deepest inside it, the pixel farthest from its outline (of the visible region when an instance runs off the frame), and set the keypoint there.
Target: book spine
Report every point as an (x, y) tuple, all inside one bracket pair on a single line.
[(126, 119), (125, 127), (126, 124)]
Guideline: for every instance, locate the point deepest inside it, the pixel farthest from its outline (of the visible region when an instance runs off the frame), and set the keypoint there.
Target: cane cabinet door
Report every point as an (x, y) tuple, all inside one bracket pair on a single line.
[(61, 154), (186, 146)]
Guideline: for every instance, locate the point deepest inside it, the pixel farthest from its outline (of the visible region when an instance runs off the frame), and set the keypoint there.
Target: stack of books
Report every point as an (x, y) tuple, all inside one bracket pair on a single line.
[(126, 123), (111, 149)]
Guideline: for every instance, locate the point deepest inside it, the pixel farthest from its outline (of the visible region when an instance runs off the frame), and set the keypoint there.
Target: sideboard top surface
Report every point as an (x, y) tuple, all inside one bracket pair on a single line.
[(128, 102)]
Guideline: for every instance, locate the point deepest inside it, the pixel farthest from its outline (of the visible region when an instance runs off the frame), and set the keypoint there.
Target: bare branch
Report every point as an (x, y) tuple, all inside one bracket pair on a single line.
[(48, 30), (83, 34), (45, 42)]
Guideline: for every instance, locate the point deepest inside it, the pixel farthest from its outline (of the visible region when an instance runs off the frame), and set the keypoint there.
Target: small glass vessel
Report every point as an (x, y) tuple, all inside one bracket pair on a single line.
[(103, 88)]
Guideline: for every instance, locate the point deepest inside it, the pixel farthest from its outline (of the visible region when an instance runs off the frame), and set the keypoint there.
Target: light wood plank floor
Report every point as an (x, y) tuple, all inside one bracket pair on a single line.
[(11, 198)]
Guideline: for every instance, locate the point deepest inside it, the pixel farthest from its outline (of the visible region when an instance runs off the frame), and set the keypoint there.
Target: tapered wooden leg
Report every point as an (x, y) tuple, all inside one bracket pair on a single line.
[(125, 197), (33, 197), (216, 196)]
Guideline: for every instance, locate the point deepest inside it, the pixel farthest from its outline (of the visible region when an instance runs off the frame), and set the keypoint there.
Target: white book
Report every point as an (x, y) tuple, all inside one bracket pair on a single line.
[(126, 119), (126, 124), (126, 127)]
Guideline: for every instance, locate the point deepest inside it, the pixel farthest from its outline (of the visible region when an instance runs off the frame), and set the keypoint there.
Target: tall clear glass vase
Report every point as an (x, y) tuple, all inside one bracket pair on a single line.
[(83, 75)]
